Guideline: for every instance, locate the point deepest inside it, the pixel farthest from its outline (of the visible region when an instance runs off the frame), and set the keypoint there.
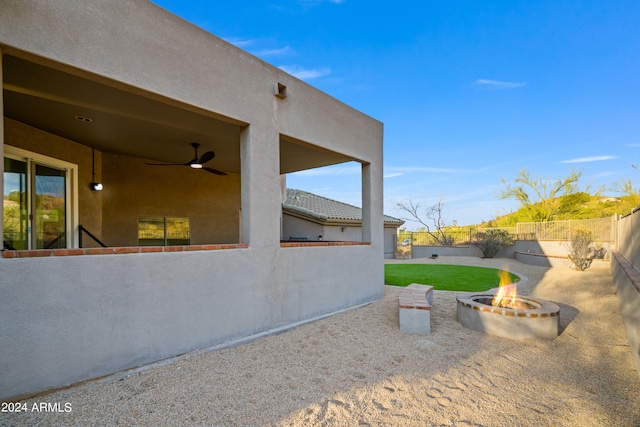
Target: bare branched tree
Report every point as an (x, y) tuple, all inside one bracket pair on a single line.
[(432, 219)]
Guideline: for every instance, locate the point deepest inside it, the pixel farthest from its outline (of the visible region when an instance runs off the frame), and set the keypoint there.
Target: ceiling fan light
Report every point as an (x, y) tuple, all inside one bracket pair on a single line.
[(196, 165)]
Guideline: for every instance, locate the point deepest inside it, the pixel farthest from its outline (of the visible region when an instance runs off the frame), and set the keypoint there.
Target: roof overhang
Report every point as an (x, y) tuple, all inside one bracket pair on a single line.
[(114, 117)]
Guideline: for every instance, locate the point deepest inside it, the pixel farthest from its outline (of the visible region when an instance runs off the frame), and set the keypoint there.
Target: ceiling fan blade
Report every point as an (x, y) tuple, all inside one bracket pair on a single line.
[(216, 171), (209, 155), (206, 157)]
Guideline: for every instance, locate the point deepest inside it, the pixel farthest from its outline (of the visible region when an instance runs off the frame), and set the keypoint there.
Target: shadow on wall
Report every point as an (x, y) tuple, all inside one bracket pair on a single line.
[(544, 253), (471, 251)]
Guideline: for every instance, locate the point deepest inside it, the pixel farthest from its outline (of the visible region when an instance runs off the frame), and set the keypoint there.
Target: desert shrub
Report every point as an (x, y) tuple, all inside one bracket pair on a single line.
[(600, 252), (447, 239), (492, 241), (581, 251)]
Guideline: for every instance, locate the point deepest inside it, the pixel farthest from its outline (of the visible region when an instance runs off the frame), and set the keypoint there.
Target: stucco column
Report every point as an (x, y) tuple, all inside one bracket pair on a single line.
[(260, 176), (366, 203), (372, 205)]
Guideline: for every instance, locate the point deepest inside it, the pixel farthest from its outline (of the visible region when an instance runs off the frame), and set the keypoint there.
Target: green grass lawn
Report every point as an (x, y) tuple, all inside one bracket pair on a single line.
[(444, 277)]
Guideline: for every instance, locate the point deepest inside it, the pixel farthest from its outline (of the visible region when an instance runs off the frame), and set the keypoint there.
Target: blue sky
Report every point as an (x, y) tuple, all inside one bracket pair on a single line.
[(470, 92)]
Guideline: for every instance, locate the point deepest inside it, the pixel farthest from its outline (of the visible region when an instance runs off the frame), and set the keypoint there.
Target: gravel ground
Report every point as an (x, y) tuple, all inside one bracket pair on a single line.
[(357, 368)]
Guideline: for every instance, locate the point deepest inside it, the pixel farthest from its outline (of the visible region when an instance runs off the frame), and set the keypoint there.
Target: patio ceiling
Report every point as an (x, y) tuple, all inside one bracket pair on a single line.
[(129, 121)]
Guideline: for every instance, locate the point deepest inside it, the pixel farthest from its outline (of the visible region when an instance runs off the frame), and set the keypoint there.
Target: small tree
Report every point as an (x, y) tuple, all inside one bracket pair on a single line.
[(435, 214), (581, 251), (628, 193), (541, 198), (492, 241)]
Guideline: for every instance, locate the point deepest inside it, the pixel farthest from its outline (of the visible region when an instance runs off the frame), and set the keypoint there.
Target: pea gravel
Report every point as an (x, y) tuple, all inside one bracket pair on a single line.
[(357, 368)]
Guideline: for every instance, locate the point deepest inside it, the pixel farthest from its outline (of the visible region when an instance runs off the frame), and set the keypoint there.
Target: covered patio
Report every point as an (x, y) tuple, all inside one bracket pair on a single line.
[(111, 95), (117, 136)]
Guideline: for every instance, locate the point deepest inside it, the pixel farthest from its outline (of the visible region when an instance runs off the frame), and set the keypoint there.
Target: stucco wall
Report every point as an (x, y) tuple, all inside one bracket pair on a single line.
[(68, 319), (629, 237), (390, 238), (71, 318), (625, 268), (133, 189), (551, 247), (628, 293), (296, 227), (471, 250), (551, 253), (341, 233)]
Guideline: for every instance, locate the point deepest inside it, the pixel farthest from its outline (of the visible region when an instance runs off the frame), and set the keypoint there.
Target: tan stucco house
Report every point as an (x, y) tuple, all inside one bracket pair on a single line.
[(310, 217), (122, 94)]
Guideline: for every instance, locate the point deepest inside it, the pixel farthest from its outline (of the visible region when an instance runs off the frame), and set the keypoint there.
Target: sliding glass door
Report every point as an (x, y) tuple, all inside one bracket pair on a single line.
[(50, 207), (15, 205), (36, 203)]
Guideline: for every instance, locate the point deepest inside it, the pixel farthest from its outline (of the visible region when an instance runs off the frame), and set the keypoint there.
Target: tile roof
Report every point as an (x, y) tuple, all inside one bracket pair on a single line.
[(326, 209)]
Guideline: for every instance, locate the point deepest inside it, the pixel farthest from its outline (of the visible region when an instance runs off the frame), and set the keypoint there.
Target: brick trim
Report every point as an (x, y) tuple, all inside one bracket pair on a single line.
[(629, 270), (8, 254), (544, 309), (414, 296)]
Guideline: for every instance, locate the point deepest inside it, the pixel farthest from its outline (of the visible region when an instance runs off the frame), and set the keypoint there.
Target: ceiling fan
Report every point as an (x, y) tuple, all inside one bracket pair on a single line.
[(195, 163)]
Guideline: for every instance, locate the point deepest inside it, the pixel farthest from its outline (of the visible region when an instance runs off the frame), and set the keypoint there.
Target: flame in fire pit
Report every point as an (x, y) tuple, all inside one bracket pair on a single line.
[(507, 294)]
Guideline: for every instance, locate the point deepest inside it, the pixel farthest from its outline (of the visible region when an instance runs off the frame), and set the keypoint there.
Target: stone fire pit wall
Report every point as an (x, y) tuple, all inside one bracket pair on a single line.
[(538, 321)]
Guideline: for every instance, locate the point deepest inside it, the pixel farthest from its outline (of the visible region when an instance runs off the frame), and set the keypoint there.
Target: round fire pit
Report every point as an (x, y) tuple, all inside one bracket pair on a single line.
[(525, 318)]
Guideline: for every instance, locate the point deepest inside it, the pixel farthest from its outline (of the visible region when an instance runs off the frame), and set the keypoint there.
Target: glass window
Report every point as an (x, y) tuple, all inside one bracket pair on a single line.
[(163, 231), (177, 231)]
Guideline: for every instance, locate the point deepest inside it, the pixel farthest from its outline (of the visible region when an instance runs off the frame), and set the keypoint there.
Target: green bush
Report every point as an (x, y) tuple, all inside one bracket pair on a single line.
[(492, 241)]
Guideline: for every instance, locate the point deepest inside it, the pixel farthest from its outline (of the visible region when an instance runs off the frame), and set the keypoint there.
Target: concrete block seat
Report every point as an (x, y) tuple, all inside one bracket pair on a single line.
[(414, 303)]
